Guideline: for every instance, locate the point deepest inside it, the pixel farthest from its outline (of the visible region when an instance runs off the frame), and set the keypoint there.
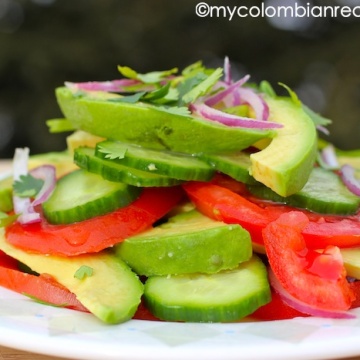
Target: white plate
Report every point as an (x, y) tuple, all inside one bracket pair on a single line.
[(29, 326)]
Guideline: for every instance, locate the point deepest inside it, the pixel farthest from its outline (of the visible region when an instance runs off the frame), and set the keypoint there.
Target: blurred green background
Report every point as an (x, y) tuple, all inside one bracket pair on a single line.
[(46, 42)]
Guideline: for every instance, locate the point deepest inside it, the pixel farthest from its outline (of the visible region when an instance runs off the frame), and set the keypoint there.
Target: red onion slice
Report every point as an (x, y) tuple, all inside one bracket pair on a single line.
[(209, 113), (24, 207), (215, 99), (20, 167), (48, 174), (227, 71), (329, 158), (250, 97), (303, 307), (347, 174), (110, 86)]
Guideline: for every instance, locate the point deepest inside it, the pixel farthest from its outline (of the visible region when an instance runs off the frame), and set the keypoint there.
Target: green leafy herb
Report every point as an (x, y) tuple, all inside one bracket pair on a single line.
[(131, 99), (83, 271), (112, 152), (316, 118), (202, 87), (157, 94), (59, 125), (177, 110), (27, 186), (266, 88), (292, 94), (152, 77)]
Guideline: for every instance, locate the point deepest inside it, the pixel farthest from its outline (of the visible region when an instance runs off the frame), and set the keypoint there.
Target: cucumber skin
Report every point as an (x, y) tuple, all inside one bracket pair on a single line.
[(169, 303), (148, 126), (85, 158), (56, 213), (333, 197), (179, 166), (206, 251)]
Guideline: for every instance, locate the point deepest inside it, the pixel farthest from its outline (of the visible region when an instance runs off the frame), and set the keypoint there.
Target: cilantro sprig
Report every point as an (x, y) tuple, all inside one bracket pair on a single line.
[(27, 186), (83, 272)]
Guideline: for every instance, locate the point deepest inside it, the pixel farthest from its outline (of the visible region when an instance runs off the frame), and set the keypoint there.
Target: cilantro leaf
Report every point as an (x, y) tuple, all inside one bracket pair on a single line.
[(112, 151), (176, 110), (203, 87), (130, 99), (152, 77), (292, 94), (157, 94), (83, 271), (266, 88), (316, 118), (27, 186)]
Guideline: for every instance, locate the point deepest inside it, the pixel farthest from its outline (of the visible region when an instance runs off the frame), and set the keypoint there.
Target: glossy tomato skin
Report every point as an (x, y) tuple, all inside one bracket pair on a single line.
[(43, 287), (96, 234), (321, 284), (223, 200)]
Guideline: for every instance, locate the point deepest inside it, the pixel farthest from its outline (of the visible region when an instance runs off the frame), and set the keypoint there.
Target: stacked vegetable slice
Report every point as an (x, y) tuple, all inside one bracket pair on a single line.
[(248, 167)]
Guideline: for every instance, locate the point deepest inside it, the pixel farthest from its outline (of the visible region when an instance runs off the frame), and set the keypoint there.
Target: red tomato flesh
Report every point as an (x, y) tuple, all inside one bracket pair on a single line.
[(43, 287), (98, 233), (322, 285)]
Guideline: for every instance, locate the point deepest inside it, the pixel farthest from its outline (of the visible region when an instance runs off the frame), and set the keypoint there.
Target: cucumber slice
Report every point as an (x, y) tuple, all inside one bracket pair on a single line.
[(189, 242), (235, 165), (85, 158), (81, 195), (323, 193), (225, 296), (176, 165)]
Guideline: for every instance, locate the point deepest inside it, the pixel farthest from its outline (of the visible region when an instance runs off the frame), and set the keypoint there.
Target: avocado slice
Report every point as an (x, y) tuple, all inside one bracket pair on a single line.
[(112, 293), (351, 258), (286, 163), (188, 243), (151, 127)]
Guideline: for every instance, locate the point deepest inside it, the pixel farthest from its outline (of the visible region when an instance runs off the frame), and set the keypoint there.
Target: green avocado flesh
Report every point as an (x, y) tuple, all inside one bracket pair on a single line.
[(189, 242), (286, 163), (148, 126), (112, 293)]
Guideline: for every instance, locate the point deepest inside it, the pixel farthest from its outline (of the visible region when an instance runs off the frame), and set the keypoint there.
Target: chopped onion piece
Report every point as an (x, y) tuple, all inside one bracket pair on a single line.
[(111, 86), (24, 207), (347, 174), (209, 113), (48, 174), (227, 71), (329, 158), (20, 167), (303, 307), (215, 99), (323, 129), (250, 97)]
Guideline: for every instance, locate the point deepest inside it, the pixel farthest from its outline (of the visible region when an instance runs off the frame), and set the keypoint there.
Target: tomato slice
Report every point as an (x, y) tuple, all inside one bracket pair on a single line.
[(224, 200), (317, 279), (222, 204), (43, 287), (276, 309), (98, 233)]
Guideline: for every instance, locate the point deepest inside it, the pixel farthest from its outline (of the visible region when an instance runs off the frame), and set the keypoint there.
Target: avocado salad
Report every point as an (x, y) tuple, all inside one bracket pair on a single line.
[(185, 196)]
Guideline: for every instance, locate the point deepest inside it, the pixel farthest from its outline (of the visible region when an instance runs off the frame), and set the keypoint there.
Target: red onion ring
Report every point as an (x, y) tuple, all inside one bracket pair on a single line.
[(303, 307), (347, 174), (215, 99), (210, 113)]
